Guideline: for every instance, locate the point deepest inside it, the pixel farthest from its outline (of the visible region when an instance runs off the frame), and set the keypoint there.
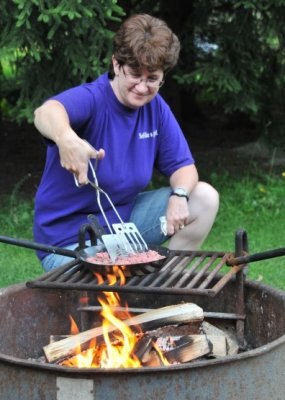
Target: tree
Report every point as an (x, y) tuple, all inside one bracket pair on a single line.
[(233, 56), (232, 59), (48, 46)]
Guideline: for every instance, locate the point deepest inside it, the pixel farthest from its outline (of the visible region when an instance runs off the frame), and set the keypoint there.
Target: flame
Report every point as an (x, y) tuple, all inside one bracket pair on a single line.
[(163, 359), (73, 326), (117, 351), (117, 355)]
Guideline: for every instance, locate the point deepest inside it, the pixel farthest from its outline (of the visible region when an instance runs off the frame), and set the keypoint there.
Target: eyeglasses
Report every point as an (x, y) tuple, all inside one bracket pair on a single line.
[(134, 78)]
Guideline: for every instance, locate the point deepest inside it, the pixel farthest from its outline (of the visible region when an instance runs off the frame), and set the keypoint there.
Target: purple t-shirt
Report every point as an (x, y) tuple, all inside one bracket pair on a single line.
[(135, 142)]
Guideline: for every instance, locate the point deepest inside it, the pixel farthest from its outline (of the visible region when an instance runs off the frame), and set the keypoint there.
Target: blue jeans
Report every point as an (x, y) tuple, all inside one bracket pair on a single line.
[(148, 208)]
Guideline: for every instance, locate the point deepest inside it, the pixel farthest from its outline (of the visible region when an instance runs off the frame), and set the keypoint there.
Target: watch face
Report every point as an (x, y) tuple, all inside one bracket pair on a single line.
[(180, 192)]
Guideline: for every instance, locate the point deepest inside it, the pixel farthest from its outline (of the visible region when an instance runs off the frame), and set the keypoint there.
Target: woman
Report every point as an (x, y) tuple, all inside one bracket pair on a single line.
[(121, 119)]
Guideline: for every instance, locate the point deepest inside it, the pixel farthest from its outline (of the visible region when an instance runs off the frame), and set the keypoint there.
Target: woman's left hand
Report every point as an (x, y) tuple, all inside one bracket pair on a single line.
[(177, 214)]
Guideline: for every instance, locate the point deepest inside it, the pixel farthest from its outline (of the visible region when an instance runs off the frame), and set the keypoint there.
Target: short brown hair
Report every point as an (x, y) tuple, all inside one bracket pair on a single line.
[(146, 41)]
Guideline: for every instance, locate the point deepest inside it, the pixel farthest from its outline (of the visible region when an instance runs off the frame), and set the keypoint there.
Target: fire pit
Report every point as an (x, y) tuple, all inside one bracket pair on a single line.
[(30, 314)]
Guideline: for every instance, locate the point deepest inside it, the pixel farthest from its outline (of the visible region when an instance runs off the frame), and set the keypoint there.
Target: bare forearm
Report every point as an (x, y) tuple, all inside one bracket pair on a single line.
[(185, 177), (52, 121)]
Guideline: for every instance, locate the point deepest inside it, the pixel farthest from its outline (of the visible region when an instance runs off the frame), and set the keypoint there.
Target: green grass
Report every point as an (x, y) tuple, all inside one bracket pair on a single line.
[(16, 263), (254, 204), (258, 207)]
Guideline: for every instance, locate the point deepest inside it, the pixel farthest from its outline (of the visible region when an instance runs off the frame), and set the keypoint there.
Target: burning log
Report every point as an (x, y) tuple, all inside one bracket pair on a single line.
[(169, 330), (188, 348), (175, 314), (181, 349), (144, 346), (56, 338), (178, 350)]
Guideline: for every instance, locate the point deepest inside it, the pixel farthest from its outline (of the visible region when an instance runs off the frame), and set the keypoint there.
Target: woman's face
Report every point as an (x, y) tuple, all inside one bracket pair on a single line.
[(135, 88)]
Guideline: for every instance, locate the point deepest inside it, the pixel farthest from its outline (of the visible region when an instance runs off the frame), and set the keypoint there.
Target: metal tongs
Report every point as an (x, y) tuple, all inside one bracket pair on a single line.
[(124, 238)]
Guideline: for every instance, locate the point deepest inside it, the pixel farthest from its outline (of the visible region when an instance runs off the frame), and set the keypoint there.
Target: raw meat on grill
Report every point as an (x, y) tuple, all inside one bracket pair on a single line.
[(137, 258)]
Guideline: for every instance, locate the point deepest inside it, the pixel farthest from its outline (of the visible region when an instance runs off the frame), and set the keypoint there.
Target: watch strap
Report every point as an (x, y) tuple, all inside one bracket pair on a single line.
[(180, 193)]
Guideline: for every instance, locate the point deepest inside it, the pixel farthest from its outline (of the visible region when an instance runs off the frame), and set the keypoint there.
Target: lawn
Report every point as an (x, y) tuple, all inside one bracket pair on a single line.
[(258, 207)]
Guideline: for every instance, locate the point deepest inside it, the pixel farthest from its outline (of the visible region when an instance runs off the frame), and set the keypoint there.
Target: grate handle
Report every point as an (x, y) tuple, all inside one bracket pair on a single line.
[(265, 255)]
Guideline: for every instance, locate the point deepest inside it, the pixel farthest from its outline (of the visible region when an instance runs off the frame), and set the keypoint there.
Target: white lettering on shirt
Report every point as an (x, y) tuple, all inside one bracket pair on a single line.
[(147, 135)]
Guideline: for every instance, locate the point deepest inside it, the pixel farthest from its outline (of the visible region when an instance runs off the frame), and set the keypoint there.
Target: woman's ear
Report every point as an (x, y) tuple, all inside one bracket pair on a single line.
[(116, 66)]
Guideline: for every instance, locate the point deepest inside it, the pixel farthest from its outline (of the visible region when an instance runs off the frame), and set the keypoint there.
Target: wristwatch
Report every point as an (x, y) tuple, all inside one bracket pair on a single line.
[(180, 192)]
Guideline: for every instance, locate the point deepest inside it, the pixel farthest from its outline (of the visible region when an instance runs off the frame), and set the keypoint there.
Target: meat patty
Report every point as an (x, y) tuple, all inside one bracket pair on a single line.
[(137, 258)]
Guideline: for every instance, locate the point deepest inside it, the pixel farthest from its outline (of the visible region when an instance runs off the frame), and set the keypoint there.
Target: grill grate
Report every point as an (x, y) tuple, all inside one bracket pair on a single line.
[(183, 272)]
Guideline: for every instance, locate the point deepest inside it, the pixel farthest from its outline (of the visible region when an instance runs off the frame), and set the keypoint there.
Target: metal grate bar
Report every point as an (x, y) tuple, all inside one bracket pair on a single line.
[(86, 278), (212, 274), (55, 274), (190, 272), (226, 278), (72, 275), (178, 265), (176, 273), (183, 272), (201, 273)]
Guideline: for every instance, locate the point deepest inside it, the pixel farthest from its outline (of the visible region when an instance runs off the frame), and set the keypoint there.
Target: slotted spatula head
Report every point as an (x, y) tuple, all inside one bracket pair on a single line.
[(129, 231), (116, 245)]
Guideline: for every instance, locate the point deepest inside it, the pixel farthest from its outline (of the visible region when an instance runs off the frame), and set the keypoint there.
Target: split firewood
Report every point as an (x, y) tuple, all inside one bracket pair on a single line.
[(188, 348), (152, 359), (177, 350), (133, 310), (232, 343), (56, 338), (143, 346), (219, 345), (169, 315), (121, 313), (139, 310)]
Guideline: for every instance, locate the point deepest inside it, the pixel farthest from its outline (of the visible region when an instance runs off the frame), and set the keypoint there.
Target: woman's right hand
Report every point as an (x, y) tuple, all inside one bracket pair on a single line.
[(75, 154)]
